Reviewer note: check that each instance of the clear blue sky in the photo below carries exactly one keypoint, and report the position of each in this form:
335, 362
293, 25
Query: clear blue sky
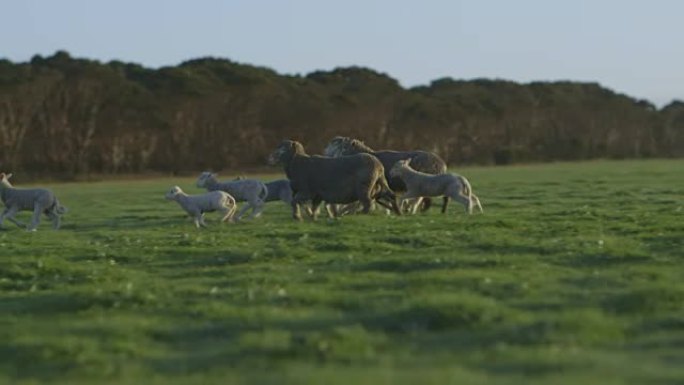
635, 47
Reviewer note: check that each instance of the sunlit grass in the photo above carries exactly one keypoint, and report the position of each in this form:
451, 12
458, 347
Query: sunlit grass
572, 275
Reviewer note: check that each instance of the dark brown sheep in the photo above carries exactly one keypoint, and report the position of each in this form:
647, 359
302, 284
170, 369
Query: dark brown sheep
345, 179
423, 161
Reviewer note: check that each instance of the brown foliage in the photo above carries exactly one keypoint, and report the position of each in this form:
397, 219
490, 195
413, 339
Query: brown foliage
72, 116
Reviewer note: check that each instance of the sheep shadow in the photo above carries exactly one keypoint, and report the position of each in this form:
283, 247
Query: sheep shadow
42, 304
600, 260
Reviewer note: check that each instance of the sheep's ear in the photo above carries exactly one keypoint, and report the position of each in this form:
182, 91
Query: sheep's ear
408, 161
8, 175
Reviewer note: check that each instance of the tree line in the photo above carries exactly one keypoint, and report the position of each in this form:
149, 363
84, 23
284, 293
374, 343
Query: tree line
70, 116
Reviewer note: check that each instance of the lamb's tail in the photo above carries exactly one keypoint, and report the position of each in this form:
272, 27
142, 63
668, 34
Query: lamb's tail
264, 192
465, 185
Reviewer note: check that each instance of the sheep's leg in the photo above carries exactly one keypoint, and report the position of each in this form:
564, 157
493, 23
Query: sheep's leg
465, 201
262, 206
253, 205
366, 202
56, 220
196, 216
258, 208
445, 204
9, 213
349, 208
332, 211
35, 219
228, 212
297, 200
392, 205
393, 202
17, 223
315, 203
384, 204
413, 202
296, 214
341, 209
426, 203
407, 195
415, 205
233, 210
244, 209
407, 205
475, 199
202, 222
309, 212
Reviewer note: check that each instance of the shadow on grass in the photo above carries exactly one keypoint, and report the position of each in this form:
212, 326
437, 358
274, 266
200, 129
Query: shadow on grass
42, 304
670, 245
601, 260
646, 300
413, 265
349, 337
30, 361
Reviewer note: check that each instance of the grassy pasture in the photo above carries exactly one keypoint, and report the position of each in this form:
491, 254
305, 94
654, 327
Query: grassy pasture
574, 275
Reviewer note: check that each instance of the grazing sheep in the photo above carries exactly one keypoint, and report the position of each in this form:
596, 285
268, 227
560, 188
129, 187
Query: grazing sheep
197, 205
423, 161
40, 201
345, 179
420, 184
250, 190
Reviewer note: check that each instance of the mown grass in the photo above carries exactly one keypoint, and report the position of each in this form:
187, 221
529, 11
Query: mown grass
572, 275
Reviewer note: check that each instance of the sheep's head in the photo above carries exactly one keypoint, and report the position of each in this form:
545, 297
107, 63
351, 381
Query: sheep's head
4, 179
335, 147
342, 145
173, 191
285, 151
204, 178
400, 165
357, 146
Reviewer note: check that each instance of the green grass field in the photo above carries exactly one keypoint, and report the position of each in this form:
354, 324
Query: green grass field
573, 275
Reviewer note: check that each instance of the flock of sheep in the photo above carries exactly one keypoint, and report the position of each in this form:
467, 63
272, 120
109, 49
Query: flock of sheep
349, 176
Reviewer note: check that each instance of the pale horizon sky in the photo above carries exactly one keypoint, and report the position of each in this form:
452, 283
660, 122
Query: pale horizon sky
632, 47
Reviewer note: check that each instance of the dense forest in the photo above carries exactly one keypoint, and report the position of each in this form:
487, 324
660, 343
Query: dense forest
66, 116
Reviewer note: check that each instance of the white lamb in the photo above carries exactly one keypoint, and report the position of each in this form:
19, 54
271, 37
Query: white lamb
420, 184
197, 205
252, 191
38, 200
